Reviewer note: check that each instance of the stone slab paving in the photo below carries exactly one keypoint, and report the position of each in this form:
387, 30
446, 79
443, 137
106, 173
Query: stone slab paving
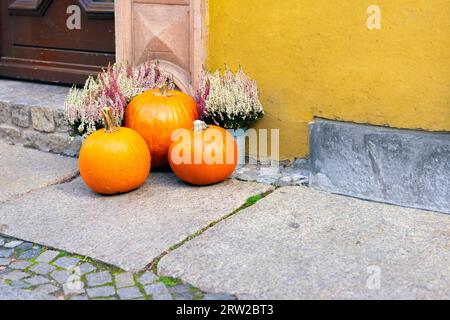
21, 280
23, 170
128, 230
298, 243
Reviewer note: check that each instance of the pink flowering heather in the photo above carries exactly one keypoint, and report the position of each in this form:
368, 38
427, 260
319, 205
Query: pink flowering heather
230, 100
115, 87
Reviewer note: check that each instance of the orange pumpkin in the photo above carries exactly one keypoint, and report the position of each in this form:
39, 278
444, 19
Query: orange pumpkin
114, 160
204, 155
155, 114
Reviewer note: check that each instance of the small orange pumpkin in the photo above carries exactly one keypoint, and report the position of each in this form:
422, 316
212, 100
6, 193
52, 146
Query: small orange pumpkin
155, 114
114, 160
203, 156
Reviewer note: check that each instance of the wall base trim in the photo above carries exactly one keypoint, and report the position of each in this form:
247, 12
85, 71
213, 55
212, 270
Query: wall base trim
402, 167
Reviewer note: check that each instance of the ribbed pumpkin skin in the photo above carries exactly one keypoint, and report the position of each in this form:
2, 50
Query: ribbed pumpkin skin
205, 174
155, 117
117, 162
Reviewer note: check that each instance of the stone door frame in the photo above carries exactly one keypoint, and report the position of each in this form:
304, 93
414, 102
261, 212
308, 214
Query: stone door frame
185, 78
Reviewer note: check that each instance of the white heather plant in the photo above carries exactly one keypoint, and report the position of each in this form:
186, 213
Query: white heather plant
229, 100
115, 87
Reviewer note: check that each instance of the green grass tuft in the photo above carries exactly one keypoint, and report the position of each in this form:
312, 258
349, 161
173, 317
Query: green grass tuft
8, 282
170, 282
252, 200
248, 203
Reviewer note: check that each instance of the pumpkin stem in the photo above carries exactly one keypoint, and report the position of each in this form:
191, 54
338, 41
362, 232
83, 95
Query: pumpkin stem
108, 118
164, 91
200, 125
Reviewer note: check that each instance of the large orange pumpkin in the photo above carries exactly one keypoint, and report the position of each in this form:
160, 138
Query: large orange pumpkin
114, 160
203, 156
155, 114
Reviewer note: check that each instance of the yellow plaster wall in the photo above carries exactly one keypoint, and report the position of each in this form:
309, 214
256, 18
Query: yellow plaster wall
317, 58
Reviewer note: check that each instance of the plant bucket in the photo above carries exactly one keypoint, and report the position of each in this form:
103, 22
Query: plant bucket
240, 135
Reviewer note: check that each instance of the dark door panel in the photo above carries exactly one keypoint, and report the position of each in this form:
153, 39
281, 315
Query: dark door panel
36, 43
29, 7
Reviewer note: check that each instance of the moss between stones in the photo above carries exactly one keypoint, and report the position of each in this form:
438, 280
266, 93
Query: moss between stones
99, 266
140, 286
170, 282
248, 203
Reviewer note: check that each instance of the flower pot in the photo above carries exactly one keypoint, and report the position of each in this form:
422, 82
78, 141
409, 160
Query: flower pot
240, 135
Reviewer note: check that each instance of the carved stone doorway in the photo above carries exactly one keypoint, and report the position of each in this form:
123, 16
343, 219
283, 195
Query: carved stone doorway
171, 31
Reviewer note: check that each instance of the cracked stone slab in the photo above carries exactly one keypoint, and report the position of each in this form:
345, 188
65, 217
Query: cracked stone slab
128, 230
298, 243
23, 170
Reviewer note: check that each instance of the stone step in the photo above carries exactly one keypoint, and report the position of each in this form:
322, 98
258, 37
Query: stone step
32, 115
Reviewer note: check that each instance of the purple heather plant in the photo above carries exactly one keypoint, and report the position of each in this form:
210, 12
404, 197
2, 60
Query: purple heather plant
230, 100
115, 87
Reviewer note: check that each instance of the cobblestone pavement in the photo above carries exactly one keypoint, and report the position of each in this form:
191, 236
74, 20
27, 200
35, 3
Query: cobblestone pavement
58, 274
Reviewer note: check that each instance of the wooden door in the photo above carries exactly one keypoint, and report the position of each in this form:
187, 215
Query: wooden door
56, 40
